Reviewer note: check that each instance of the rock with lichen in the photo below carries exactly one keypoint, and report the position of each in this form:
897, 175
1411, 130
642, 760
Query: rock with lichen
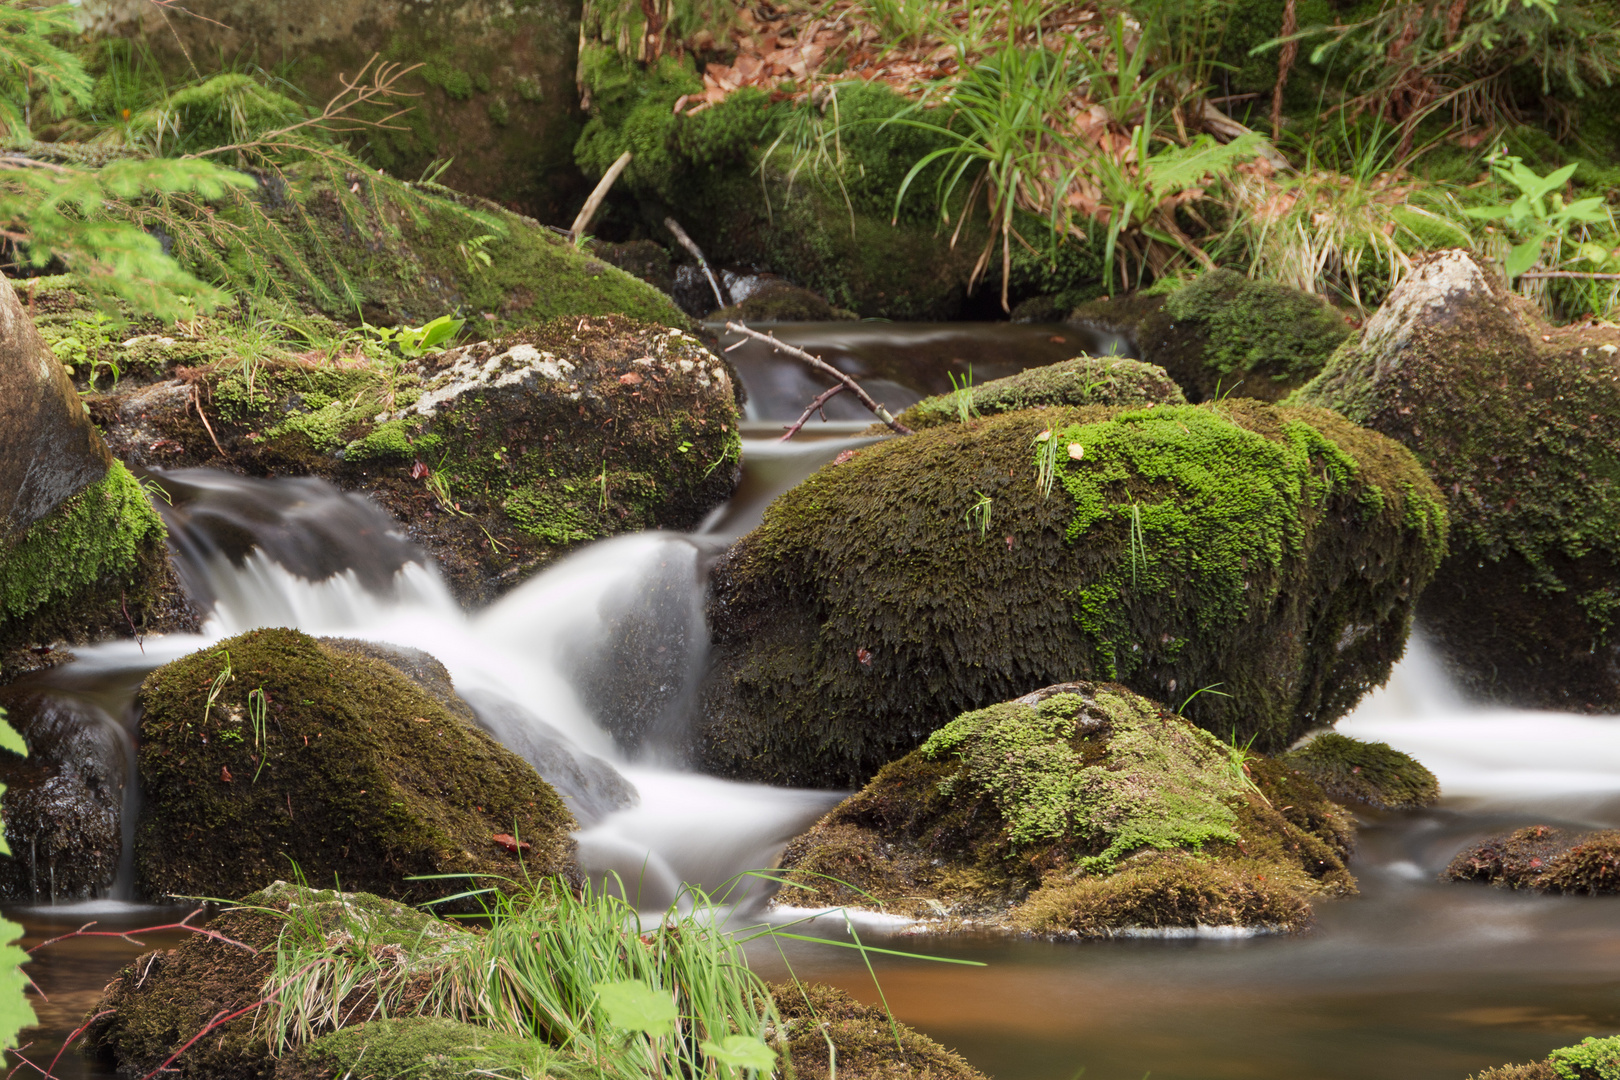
1371, 773
1084, 380
1545, 859
303, 751
1515, 423
1270, 555
497, 457
1224, 334
1080, 809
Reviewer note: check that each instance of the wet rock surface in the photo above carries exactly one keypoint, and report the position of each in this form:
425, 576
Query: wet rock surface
1545, 859
64, 803
1278, 553
1514, 423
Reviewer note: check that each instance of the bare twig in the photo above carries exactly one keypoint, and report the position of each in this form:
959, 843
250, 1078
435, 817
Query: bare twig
826, 369
129, 935
196, 399
594, 203
687, 242
220, 1019
336, 118
813, 408
1569, 274
1285, 64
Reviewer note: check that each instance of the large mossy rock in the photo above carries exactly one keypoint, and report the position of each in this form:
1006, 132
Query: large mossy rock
498, 457
1085, 380
1516, 423
1271, 554
163, 1000
1079, 809
1373, 774
1223, 334
82, 552
271, 750
494, 81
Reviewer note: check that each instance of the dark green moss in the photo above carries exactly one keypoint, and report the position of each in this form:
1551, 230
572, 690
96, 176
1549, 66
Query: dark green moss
829, 1034
1085, 380
1273, 553
782, 302
354, 772
1224, 334
1515, 431
1024, 815
225, 110
1371, 773
95, 566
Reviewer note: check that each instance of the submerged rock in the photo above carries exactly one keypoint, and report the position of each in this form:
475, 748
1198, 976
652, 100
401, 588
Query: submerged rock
1375, 774
270, 747
82, 553
1270, 554
1223, 334
1080, 809
772, 299
1085, 380
1545, 859
1516, 423
497, 457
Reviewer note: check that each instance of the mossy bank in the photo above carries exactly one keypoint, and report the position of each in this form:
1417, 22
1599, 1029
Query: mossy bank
1272, 555
272, 750
1080, 809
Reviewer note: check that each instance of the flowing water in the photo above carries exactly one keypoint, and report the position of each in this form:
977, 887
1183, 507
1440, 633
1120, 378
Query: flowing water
587, 670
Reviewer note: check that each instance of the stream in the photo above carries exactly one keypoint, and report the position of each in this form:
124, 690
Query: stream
1411, 979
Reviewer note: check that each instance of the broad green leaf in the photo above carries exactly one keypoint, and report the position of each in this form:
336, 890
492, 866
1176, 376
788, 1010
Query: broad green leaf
1551, 182
632, 1005
1488, 213
9, 739
739, 1051
441, 329
1522, 257
15, 1011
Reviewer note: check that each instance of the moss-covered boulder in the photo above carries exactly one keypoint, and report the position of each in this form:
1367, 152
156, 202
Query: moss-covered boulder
497, 457
163, 1000
1080, 809
866, 1043
1545, 859
82, 552
1589, 1059
271, 749
776, 300
1270, 554
1372, 773
1085, 380
494, 83
1517, 425
1224, 334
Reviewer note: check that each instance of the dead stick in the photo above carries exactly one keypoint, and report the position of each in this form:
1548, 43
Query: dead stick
826, 369
196, 398
1569, 274
686, 242
594, 203
813, 408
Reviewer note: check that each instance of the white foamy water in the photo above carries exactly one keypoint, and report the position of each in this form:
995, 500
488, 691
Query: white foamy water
1491, 757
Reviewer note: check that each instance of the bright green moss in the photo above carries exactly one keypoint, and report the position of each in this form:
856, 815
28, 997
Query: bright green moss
1258, 329
423, 1048
1164, 785
108, 531
1590, 1059
224, 110
1085, 380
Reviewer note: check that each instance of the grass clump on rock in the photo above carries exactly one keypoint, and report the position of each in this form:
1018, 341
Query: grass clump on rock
1274, 552
1085, 380
271, 747
1079, 809
1373, 773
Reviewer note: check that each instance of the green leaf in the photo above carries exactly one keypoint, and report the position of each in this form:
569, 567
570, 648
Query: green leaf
1522, 257
15, 1011
739, 1051
9, 739
1488, 213
632, 1005
443, 328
